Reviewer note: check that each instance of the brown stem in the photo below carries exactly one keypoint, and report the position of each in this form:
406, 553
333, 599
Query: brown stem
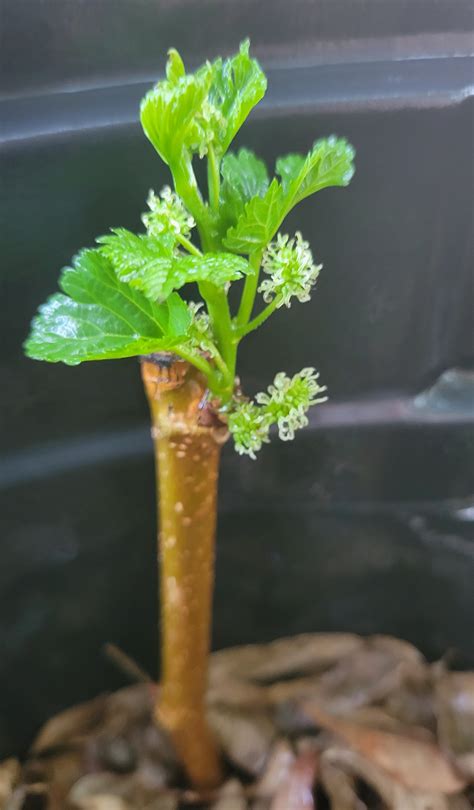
187, 437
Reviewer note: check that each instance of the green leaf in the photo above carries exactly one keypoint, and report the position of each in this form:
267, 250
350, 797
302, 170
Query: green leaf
149, 264
329, 163
136, 257
216, 268
171, 112
102, 318
244, 176
238, 84
185, 113
259, 222
289, 168
174, 66
179, 315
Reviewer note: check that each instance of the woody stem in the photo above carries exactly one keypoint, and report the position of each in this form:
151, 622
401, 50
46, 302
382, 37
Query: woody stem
187, 439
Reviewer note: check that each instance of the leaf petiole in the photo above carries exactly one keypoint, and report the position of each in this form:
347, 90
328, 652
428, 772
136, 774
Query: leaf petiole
217, 357
196, 360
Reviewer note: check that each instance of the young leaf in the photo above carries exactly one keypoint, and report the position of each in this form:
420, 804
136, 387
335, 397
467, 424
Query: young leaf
238, 84
259, 222
131, 253
329, 163
149, 263
215, 268
174, 66
172, 112
244, 176
138, 256
188, 112
102, 318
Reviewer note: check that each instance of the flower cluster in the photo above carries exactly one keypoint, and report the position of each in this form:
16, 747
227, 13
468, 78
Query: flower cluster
289, 263
285, 404
167, 214
208, 123
289, 399
249, 428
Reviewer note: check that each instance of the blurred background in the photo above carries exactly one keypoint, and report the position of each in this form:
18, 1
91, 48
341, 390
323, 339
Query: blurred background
365, 522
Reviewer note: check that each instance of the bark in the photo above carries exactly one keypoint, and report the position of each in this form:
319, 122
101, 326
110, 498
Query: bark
188, 437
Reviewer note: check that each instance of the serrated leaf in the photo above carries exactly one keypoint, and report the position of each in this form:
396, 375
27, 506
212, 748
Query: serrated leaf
289, 167
215, 268
92, 280
238, 84
170, 113
329, 163
244, 176
149, 264
139, 256
259, 221
102, 318
187, 112
125, 248
174, 66
68, 332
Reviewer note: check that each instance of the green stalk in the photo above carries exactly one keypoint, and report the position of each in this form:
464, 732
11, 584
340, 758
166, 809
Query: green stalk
213, 178
188, 437
188, 245
221, 321
217, 357
250, 290
186, 186
258, 320
198, 361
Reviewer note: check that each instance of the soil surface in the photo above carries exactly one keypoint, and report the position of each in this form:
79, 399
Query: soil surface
306, 723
